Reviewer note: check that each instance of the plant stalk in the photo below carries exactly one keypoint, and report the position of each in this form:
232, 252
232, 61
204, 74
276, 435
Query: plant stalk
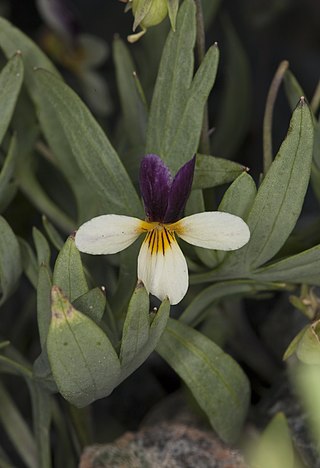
268, 115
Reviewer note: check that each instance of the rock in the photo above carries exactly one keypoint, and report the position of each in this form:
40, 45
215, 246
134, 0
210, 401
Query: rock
169, 445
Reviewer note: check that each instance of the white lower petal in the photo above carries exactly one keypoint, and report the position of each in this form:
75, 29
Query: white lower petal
163, 270
213, 230
107, 234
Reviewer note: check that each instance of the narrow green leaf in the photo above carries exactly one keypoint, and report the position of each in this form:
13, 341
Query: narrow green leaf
92, 303
235, 110
13, 40
73, 134
68, 271
238, 200
42, 247
275, 448
84, 364
4, 344
11, 78
173, 6
43, 301
197, 310
17, 429
185, 140
126, 282
41, 412
133, 110
280, 197
10, 260
300, 268
212, 172
29, 262
8, 187
31, 187
159, 320
173, 81
52, 233
215, 379
135, 332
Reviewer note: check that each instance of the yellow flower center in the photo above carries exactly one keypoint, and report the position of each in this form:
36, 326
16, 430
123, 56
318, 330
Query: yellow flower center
159, 237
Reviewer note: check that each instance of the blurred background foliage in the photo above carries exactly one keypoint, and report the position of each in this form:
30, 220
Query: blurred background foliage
254, 38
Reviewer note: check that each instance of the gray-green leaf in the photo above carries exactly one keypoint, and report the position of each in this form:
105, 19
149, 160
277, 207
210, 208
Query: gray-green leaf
11, 78
215, 379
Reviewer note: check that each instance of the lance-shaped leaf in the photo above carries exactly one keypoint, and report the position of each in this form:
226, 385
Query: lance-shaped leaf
11, 78
92, 303
84, 152
141, 331
300, 268
132, 133
68, 271
133, 109
10, 260
280, 197
215, 379
8, 187
238, 200
173, 6
197, 310
84, 364
212, 172
17, 429
176, 112
13, 40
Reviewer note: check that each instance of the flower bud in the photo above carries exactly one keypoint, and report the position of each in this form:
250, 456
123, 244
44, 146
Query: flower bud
147, 13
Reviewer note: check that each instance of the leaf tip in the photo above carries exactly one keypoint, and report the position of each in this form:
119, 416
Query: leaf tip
302, 101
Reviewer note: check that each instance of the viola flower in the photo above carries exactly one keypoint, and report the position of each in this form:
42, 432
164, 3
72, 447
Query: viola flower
162, 266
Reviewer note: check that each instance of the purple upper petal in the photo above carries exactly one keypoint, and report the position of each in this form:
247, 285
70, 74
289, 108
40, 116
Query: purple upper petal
179, 192
155, 183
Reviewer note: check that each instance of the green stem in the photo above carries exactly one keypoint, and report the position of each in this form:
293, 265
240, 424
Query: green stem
315, 101
204, 146
268, 115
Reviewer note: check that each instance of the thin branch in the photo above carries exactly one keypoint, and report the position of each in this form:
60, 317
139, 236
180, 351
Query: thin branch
268, 115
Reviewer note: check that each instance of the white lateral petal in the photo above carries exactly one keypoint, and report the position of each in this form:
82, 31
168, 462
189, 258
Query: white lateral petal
107, 234
164, 274
214, 230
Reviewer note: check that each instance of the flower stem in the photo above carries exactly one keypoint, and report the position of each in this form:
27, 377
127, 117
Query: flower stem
204, 146
268, 115
315, 101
